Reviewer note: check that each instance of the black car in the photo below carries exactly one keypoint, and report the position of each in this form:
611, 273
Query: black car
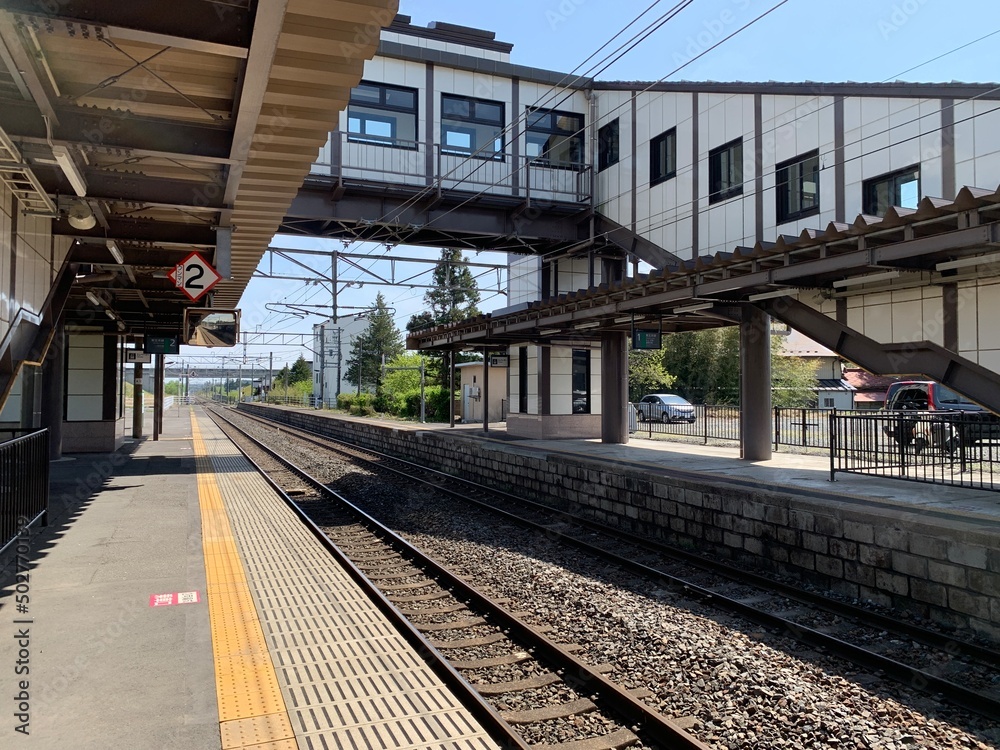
932, 415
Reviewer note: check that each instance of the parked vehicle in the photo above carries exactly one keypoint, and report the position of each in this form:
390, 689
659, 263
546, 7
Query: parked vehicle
941, 418
664, 407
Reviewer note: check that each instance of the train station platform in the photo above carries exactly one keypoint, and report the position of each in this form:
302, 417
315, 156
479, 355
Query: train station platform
174, 601
926, 550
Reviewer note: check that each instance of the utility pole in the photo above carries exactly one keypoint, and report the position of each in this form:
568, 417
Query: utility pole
361, 362
340, 356
322, 363
270, 372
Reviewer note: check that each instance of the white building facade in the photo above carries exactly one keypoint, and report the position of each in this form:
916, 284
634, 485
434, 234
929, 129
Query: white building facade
694, 169
332, 342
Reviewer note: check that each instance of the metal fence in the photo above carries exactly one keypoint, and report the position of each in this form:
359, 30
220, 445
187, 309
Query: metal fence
24, 484
937, 447
710, 422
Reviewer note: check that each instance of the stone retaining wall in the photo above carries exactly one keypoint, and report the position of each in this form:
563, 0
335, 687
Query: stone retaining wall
941, 567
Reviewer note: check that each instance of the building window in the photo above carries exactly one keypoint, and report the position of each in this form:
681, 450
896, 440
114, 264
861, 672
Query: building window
522, 379
555, 139
607, 145
900, 188
471, 127
797, 186
581, 381
663, 157
383, 114
725, 171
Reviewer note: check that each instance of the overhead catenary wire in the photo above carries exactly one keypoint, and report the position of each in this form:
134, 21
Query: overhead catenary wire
554, 90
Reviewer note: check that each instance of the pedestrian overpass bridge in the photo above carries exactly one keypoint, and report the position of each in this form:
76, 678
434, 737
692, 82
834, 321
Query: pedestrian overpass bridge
809, 203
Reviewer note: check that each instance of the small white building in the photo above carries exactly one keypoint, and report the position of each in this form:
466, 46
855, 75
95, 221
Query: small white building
474, 396
832, 390
332, 342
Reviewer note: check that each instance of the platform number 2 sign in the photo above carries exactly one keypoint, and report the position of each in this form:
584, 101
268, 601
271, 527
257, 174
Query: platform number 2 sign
194, 276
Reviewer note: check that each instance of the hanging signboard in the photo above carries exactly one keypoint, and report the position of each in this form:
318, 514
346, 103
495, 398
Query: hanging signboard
194, 276
646, 338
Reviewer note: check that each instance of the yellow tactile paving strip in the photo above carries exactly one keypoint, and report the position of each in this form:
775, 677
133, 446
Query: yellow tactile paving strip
251, 708
348, 678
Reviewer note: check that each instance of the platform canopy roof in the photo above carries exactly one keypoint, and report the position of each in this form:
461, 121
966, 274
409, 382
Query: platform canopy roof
180, 126
943, 241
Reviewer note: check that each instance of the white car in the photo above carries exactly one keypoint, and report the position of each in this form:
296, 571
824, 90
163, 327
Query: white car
664, 407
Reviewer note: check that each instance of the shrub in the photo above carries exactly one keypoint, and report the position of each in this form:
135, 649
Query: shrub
362, 406
345, 401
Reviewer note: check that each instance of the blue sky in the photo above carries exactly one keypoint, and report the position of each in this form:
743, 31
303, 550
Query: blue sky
803, 40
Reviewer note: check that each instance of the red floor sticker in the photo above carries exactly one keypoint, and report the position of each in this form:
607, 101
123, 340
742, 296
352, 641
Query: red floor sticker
166, 600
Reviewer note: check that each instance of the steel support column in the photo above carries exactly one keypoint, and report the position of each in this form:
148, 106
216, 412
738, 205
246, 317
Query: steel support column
614, 387
755, 385
53, 385
486, 390
137, 402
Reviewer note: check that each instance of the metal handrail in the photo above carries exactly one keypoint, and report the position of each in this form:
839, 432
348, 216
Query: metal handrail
358, 157
24, 485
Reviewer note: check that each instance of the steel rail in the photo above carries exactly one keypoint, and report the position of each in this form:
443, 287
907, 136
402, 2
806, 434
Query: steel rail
907, 675
649, 724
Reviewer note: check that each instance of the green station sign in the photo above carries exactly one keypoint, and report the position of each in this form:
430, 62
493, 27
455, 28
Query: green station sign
161, 344
646, 338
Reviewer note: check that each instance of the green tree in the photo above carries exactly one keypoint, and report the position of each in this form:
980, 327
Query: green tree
300, 371
380, 339
454, 297
706, 365
793, 379
646, 373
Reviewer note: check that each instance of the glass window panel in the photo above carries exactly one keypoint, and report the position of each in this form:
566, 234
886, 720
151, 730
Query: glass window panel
401, 99
456, 139
909, 193
366, 93
539, 120
491, 112
581, 381
454, 107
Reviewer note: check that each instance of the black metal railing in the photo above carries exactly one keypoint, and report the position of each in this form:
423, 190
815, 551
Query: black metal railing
961, 449
805, 428
24, 484
708, 422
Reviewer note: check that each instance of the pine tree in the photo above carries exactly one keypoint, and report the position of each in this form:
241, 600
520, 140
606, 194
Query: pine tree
454, 297
300, 371
380, 338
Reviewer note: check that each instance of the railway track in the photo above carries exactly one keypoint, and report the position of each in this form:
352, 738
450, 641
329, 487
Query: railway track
459, 629
963, 673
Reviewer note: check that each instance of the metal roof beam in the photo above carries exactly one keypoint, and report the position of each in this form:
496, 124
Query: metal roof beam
155, 232
121, 130
218, 28
117, 187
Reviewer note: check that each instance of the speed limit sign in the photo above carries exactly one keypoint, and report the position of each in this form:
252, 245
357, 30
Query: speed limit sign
194, 276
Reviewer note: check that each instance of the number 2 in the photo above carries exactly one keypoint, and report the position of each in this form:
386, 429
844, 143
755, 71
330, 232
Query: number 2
189, 281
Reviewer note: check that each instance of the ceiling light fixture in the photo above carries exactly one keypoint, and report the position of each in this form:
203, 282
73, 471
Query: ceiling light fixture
116, 252
855, 280
548, 331
693, 308
81, 216
69, 168
979, 260
110, 313
584, 326
772, 295
94, 299
629, 318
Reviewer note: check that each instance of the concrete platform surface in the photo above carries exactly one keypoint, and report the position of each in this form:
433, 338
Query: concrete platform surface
104, 668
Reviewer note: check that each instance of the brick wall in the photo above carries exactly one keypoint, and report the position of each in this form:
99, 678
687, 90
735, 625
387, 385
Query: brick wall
943, 568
